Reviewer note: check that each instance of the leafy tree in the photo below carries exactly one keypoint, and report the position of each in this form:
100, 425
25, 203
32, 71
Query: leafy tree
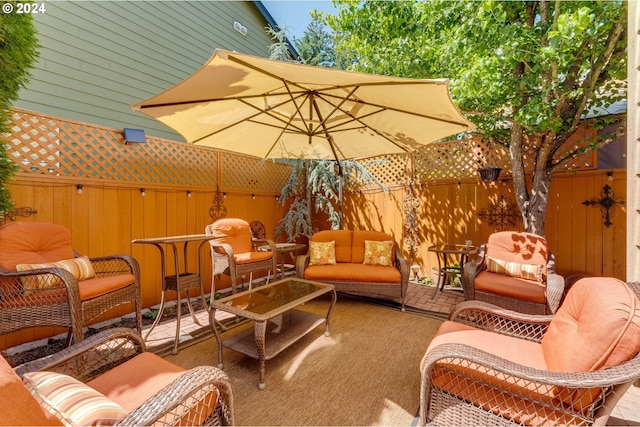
18, 52
526, 72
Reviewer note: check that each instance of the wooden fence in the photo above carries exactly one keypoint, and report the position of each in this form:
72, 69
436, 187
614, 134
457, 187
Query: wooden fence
84, 177
457, 211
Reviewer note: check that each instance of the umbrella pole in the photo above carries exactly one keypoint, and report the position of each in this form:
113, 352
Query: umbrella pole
340, 178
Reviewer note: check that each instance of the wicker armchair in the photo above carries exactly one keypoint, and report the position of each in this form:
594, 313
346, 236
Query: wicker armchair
155, 392
236, 254
515, 271
44, 294
492, 366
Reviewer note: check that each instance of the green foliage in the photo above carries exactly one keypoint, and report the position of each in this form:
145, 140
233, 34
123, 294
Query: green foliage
313, 186
18, 51
518, 69
316, 46
279, 49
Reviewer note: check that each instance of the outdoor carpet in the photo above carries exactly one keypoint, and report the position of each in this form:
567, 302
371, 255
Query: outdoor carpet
365, 373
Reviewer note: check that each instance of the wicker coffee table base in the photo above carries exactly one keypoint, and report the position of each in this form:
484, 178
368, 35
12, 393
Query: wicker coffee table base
272, 332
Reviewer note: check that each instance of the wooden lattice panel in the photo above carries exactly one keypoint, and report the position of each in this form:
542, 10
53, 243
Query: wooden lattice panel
47, 145
251, 173
460, 159
33, 144
390, 170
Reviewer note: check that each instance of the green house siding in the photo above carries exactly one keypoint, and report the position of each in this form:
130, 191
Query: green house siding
99, 57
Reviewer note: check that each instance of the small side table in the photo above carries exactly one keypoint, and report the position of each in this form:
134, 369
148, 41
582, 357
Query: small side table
180, 281
446, 251
282, 249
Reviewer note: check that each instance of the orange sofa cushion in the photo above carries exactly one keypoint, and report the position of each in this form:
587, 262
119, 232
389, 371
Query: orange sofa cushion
237, 234
519, 247
513, 287
33, 243
19, 407
342, 239
350, 272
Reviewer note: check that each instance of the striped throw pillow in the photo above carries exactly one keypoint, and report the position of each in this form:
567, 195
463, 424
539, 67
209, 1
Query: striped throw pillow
73, 402
515, 269
80, 267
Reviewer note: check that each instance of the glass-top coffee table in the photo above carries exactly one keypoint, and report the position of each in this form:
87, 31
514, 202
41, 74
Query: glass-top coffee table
277, 323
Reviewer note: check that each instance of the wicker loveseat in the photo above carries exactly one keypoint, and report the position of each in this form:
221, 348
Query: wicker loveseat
44, 282
492, 366
351, 272
108, 379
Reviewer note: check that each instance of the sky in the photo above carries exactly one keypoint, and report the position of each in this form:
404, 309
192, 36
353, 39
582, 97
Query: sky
295, 13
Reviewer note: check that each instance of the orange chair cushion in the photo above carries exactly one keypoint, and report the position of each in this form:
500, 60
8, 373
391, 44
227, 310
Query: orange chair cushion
248, 257
350, 272
523, 248
513, 287
33, 243
489, 390
342, 239
524, 352
98, 286
597, 326
19, 407
136, 380
133, 382
358, 246
237, 234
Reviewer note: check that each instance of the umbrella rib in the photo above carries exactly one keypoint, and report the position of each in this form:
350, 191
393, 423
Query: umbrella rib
329, 137
358, 119
324, 97
251, 119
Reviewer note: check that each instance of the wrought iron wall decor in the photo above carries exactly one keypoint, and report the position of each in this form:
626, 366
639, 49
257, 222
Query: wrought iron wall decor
12, 214
218, 209
607, 204
502, 214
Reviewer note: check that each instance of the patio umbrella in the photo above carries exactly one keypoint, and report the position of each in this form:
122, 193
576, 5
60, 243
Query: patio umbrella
275, 109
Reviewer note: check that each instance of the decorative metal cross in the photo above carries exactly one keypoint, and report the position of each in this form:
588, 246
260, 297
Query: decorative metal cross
218, 209
607, 204
501, 214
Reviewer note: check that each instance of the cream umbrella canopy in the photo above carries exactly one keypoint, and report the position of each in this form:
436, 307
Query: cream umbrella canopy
274, 109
